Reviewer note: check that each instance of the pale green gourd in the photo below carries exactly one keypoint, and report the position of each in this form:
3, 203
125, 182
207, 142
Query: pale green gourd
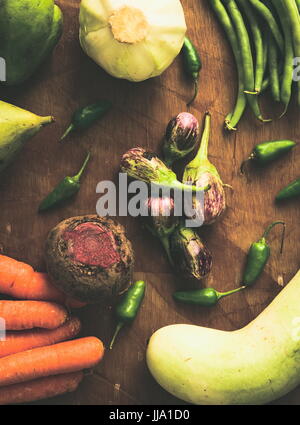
16, 127
29, 30
254, 365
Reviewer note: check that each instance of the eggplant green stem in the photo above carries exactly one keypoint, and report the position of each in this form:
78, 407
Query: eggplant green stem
177, 185
225, 294
169, 162
270, 227
166, 244
165, 241
203, 150
118, 328
77, 177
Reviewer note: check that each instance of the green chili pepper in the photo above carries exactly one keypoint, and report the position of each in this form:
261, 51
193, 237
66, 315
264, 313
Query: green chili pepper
290, 191
266, 152
85, 117
68, 187
258, 256
128, 308
192, 64
206, 297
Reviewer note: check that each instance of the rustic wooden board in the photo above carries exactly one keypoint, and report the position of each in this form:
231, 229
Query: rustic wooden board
141, 111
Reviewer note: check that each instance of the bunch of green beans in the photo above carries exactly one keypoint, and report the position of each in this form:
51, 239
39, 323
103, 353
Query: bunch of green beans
265, 38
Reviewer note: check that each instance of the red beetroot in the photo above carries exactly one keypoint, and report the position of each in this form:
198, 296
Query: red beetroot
89, 258
91, 244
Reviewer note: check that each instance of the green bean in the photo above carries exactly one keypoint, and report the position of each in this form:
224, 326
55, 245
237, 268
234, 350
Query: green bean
246, 55
294, 22
258, 43
287, 75
234, 117
265, 84
265, 47
245, 46
273, 69
270, 20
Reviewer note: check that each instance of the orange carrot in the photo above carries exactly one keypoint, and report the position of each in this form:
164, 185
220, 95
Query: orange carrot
40, 388
20, 315
16, 342
65, 357
19, 280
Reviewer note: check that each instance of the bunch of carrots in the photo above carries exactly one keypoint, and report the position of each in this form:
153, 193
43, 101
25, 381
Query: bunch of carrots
38, 356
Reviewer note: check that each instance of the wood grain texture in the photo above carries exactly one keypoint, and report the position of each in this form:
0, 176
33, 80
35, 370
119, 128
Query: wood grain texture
141, 111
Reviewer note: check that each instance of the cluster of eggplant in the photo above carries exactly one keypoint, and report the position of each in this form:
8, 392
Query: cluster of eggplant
186, 251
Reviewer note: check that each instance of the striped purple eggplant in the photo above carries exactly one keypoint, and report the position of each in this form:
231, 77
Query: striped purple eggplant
145, 166
181, 137
192, 260
200, 171
161, 220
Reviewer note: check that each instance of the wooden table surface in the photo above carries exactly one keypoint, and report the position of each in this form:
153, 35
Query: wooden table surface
69, 79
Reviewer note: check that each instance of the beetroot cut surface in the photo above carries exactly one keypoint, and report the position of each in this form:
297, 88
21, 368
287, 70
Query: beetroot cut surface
90, 258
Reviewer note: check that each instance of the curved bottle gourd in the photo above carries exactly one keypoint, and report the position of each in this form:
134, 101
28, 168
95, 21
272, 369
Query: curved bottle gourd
254, 365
